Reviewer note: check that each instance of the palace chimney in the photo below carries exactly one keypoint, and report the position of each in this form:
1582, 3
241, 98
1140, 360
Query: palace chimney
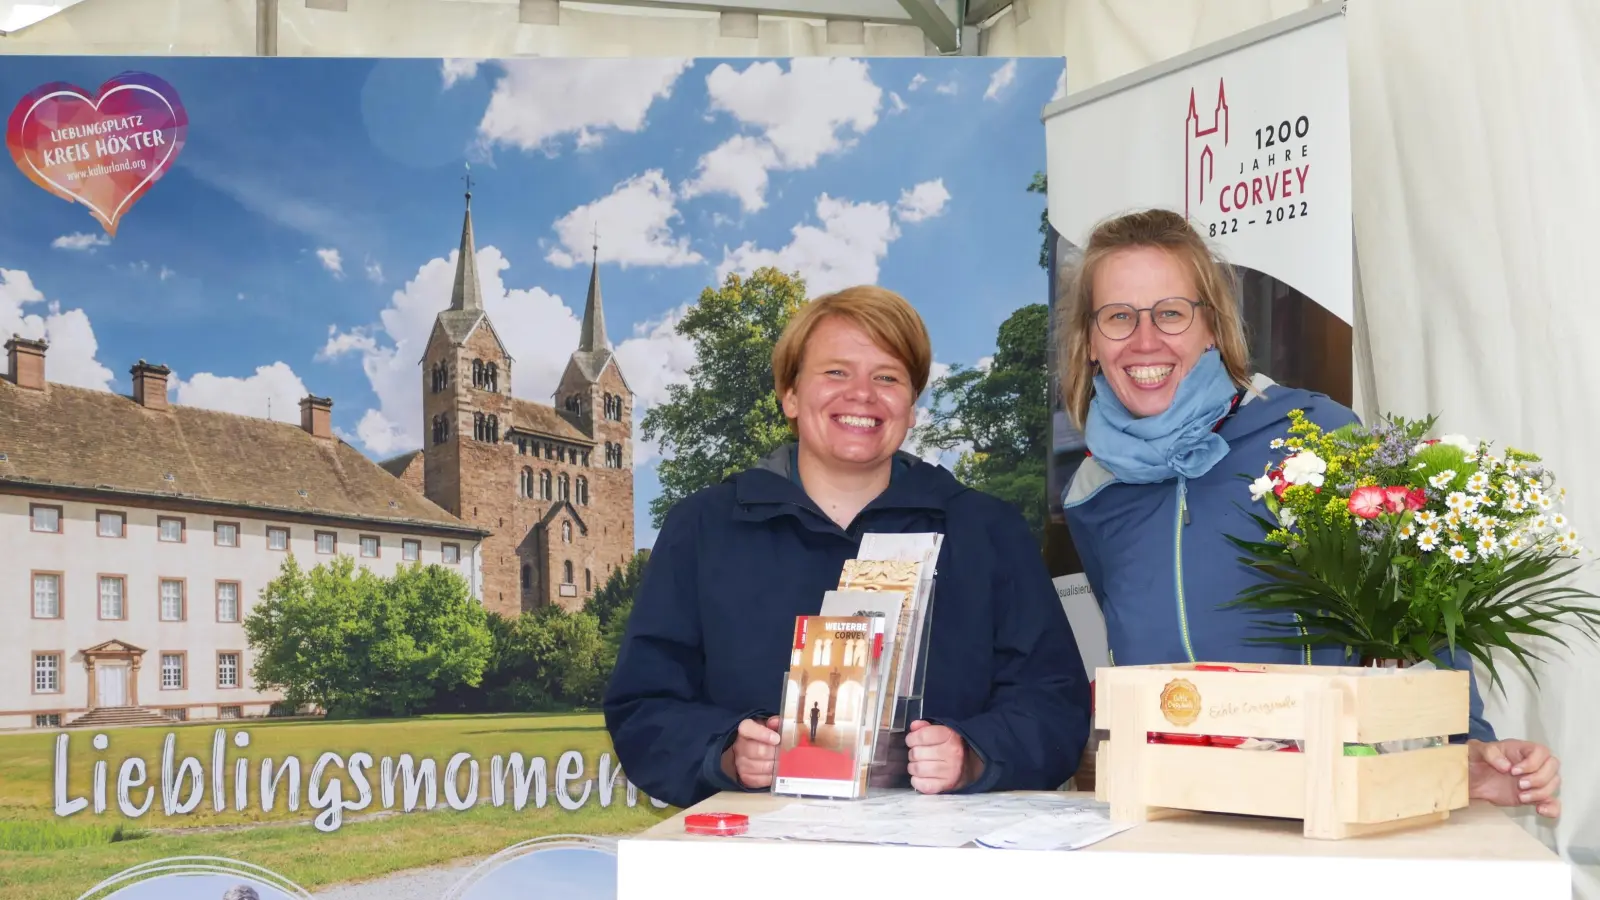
150, 385
316, 416
27, 362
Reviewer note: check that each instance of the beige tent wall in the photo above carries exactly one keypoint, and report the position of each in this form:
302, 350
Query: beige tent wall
1476, 128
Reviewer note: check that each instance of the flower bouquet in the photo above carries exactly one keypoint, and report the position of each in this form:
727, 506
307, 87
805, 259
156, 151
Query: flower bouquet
1402, 549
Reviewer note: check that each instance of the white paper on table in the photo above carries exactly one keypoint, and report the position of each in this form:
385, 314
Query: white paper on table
1069, 830
908, 547
906, 818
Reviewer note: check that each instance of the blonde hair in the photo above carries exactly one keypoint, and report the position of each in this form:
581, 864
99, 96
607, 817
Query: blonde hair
1163, 230
886, 317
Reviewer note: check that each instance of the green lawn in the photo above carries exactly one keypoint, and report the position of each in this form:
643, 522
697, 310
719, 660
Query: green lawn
47, 857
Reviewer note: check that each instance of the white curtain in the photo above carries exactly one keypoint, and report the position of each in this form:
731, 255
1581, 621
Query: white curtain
1476, 130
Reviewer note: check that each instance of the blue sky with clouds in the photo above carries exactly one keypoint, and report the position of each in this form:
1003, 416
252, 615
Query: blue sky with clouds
305, 236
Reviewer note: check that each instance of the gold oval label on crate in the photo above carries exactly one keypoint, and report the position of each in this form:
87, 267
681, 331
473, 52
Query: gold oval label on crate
1180, 702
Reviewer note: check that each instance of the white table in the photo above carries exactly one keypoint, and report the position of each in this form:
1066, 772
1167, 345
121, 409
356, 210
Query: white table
1478, 852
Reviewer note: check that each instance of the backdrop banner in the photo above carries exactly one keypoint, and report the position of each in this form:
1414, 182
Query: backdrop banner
1250, 139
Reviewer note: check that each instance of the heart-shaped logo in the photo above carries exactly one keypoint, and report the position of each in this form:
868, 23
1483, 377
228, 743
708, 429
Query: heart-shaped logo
104, 152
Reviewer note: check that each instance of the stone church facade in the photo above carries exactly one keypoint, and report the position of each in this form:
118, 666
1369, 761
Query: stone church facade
551, 483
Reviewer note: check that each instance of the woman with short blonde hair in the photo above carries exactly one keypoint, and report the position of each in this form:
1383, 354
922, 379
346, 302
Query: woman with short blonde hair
693, 700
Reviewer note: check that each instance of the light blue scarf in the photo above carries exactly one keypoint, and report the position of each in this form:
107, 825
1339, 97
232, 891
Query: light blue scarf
1179, 441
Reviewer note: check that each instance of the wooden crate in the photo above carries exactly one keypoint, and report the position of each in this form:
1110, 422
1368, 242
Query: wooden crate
1337, 796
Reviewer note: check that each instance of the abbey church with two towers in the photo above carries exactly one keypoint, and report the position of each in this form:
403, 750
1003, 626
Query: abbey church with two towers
552, 483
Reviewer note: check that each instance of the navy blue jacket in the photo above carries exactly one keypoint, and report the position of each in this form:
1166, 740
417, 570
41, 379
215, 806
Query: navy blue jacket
708, 642
1162, 572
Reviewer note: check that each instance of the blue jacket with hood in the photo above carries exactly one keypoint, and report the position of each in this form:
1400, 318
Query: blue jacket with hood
1160, 564
708, 642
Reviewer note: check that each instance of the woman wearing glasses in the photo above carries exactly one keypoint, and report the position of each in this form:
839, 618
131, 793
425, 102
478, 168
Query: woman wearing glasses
1155, 373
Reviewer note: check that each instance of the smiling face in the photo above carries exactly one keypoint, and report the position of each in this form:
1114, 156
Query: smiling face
852, 402
1145, 368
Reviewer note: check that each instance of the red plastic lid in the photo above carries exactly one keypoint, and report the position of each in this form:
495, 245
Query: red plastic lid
716, 823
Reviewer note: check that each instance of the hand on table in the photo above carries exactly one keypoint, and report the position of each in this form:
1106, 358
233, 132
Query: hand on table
1514, 773
939, 760
752, 756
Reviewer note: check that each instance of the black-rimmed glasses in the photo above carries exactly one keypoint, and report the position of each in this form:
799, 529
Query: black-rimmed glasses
1174, 315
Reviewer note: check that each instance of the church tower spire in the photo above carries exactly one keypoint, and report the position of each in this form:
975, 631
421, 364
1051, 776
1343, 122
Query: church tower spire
593, 337
466, 295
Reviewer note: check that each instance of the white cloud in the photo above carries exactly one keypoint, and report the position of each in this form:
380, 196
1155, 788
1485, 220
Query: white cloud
896, 105
331, 261
1001, 79
1061, 86
538, 101
71, 357
81, 241
948, 88
166, 273
275, 388
800, 115
454, 70
655, 357
375, 272
924, 201
843, 251
917, 81
538, 328
635, 227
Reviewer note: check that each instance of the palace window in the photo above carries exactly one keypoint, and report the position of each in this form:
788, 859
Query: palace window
46, 596
327, 543
112, 524
451, 553
227, 601
113, 588
227, 670
566, 487
227, 534
410, 550
544, 485
588, 581
46, 673
171, 600
485, 428
46, 518
441, 377
441, 428
527, 576
583, 491
170, 530
566, 572
277, 538
369, 546
525, 485
171, 671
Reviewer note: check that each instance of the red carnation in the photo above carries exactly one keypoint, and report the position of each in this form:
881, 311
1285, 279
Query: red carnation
1416, 499
1394, 498
1367, 502
1278, 484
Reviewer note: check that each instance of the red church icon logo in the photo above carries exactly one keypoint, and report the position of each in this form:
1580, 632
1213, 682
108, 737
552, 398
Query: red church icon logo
1200, 144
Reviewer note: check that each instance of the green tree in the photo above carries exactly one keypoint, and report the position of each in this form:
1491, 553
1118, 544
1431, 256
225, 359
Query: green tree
612, 637
1040, 185
544, 659
358, 644
618, 590
727, 416
1000, 417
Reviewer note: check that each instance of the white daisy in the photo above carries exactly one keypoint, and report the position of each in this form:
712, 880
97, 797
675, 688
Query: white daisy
1459, 554
1539, 523
1427, 540
1544, 501
1478, 483
1426, 518
1443, 478
1452, 519
1458, 502
1277, 443
1407, 531
1486, 544
1557, 521
1514, 541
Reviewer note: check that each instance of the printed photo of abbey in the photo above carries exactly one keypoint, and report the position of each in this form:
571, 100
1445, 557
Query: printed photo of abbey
342, 399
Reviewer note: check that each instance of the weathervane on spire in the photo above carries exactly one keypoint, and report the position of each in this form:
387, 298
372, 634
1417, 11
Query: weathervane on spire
468, 179
596, 234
